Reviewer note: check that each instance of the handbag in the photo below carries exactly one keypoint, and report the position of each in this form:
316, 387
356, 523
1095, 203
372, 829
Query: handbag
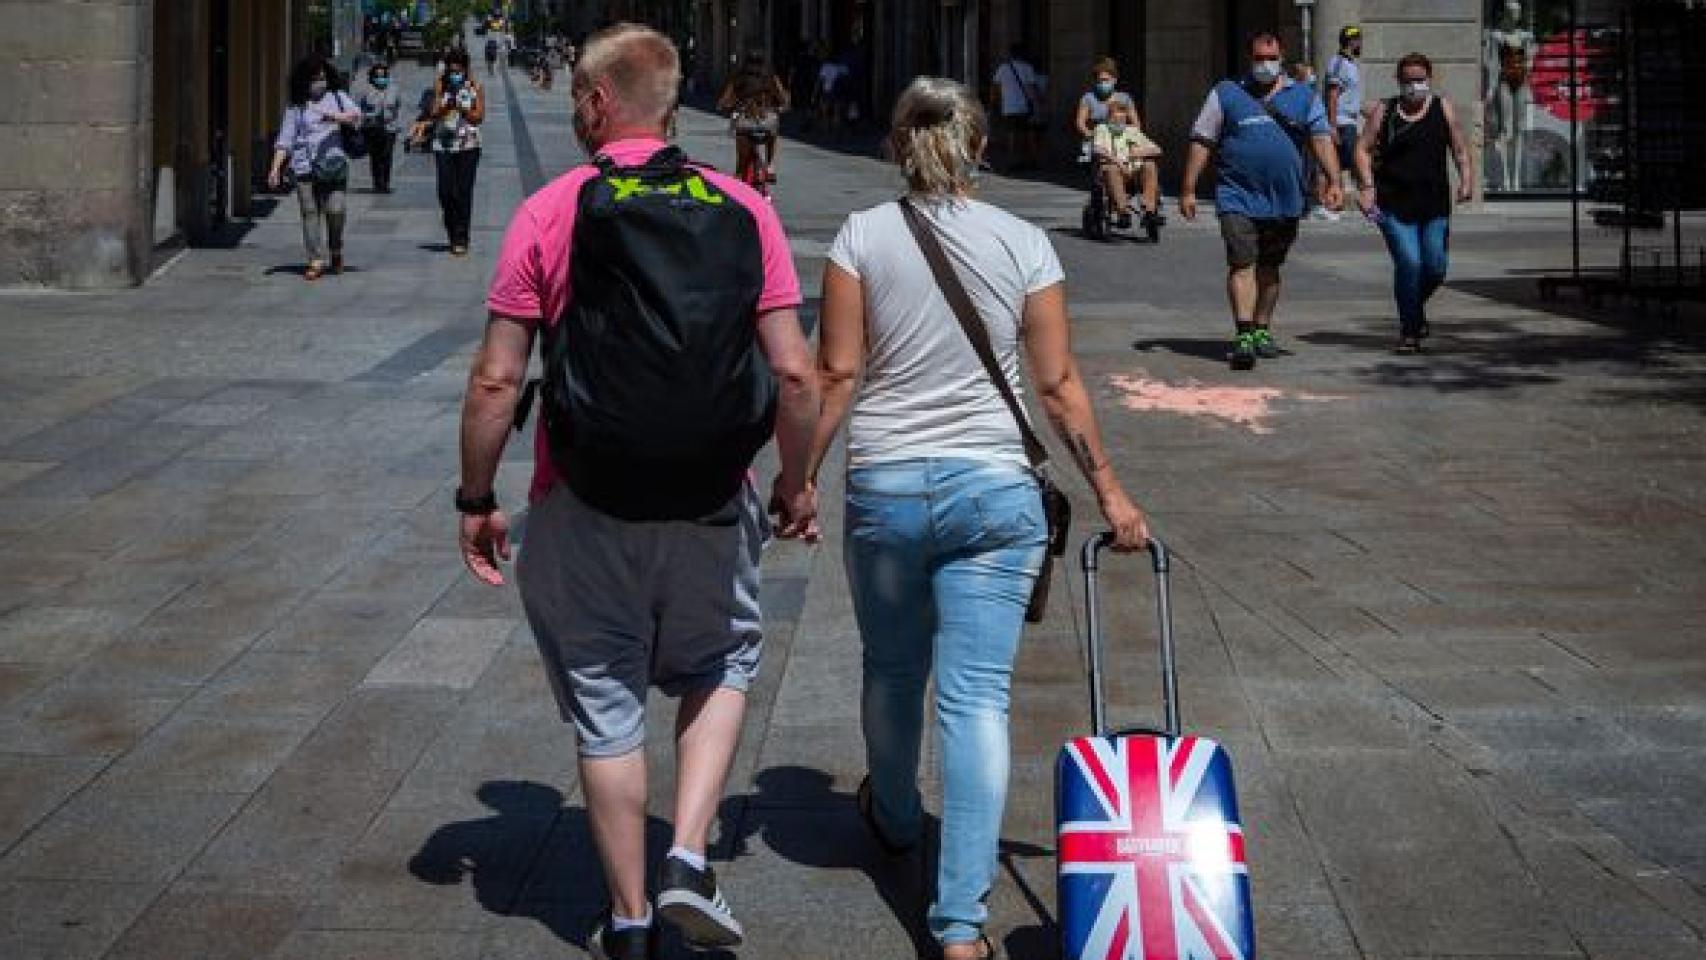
354, 136
1057, 509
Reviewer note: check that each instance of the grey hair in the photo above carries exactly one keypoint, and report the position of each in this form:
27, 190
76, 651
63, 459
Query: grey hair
937, 135
639, 65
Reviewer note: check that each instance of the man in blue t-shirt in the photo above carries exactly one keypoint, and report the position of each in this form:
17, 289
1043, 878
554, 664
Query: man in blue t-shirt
1256, 129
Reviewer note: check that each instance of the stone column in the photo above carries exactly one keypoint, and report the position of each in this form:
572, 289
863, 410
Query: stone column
74, 185
1180, 41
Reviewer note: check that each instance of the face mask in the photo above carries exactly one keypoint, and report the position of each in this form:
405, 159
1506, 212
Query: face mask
1416, 89
1104, 89
1116, 128
1265, 71
454, 77
317, 89
382, 82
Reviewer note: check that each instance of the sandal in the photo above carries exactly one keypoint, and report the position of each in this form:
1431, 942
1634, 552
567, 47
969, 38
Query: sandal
315, 271
1408, 346
868, 813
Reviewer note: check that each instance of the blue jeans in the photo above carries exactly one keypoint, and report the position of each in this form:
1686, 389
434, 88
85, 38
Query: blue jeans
1419, 260
941, 555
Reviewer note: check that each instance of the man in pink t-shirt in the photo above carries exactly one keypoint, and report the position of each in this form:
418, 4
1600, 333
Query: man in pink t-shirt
619, 604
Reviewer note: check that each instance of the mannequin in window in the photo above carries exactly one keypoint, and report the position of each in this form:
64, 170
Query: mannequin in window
1510, 50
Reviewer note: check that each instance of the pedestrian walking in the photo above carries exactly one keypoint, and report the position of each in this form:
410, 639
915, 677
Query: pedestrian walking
453, 125
945, 518
381, 122
1406, 189
1257, 129
311, 139
1344, 100
1016, 93
674, 356
492, 52
833, 86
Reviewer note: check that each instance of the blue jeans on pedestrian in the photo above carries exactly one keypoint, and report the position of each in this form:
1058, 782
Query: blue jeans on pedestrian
941, 556
1419, 259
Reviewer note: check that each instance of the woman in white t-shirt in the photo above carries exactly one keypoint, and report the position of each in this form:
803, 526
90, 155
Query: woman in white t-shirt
944, 523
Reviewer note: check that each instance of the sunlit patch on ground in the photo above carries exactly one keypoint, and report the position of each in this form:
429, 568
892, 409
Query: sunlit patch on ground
1252, 408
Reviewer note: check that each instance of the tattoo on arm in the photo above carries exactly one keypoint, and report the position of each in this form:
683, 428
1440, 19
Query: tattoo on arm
1081, 452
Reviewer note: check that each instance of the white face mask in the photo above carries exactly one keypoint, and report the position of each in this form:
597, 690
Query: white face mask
1416, 89
1266, 71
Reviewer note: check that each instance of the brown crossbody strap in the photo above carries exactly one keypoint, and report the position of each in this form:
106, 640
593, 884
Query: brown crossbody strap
960, 302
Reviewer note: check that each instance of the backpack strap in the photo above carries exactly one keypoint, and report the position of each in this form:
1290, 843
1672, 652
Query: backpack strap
667, 160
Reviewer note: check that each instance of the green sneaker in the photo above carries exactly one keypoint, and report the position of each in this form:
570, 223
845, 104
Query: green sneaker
1243, 355
1266, 348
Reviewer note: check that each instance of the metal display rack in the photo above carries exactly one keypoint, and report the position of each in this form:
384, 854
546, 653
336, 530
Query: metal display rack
1643, 66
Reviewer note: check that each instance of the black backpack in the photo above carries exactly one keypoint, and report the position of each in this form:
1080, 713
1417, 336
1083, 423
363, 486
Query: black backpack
655, 396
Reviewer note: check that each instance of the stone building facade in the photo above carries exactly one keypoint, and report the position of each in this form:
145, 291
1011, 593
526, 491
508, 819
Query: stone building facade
131, 125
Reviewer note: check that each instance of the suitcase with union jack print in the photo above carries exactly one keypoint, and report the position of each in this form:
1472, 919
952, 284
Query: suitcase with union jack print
1150, 847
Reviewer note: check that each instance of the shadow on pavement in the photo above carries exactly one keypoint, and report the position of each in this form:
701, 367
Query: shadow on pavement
1214, 349
1521, 288
798, 815
1494, 354
532, 858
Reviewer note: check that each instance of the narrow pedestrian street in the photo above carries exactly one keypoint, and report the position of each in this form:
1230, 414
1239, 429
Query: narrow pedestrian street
1444, 611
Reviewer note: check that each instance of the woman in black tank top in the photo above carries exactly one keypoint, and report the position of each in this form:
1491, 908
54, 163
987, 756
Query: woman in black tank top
1406, 189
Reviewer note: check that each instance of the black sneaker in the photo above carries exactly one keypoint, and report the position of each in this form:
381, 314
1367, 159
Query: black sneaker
1243, 354
1266, 347
632, 944
691, 900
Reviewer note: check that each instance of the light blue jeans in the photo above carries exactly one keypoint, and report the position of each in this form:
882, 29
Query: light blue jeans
941, 555
1419, 259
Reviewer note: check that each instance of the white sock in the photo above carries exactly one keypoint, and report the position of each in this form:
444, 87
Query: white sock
619, 924
694, 860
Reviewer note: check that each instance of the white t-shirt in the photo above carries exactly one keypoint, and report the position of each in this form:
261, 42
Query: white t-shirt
1016, 79
923, 392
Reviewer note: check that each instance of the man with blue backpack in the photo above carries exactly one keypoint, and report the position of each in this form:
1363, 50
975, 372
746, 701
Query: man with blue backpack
1257, 129
664, 297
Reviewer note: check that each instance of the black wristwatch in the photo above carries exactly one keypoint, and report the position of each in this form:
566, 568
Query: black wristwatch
477, 506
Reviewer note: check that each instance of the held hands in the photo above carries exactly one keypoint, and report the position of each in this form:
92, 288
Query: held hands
1334, 197
485, 541
794, 504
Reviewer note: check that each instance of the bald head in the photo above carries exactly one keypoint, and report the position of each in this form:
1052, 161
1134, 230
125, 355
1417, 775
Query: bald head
635, 73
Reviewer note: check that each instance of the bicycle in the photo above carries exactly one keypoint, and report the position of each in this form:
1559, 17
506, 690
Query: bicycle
757, 173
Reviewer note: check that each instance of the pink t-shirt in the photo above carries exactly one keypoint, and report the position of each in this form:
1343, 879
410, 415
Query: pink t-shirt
531, 282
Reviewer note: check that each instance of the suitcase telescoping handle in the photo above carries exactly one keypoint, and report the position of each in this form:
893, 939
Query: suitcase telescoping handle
1091, 555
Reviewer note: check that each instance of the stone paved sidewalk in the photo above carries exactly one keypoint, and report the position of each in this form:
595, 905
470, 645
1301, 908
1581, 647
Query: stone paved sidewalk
1445, 612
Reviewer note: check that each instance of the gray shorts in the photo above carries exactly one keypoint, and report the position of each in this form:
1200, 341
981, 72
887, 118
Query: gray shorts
1264, 243
618, 606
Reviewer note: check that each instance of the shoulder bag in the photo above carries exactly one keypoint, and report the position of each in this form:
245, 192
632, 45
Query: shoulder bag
1057, 509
